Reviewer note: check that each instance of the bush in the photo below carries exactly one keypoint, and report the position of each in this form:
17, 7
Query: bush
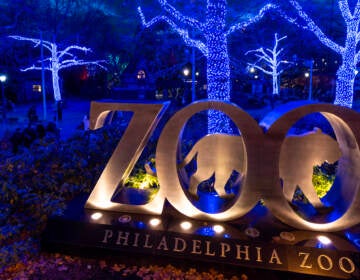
37, 181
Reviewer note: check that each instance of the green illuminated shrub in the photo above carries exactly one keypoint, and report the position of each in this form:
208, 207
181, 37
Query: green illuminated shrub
322, 181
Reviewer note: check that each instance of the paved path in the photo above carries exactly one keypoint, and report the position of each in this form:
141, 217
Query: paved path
73, 113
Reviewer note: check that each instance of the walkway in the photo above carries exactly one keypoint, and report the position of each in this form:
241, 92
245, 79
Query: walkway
74, 111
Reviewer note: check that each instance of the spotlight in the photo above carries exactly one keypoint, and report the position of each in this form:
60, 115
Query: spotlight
218, 228
324, 240
155, 222
186, 225
96, 216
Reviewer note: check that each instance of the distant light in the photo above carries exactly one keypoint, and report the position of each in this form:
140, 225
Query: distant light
356, 71
36, 88
197, 73
307, 75
186, 72
3, 78
256, 76
324, 240
96, 216
252, 70
186, 225
218, 228
155, 222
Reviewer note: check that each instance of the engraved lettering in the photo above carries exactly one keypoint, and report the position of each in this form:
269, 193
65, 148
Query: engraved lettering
325, 265
163, 244
349, 268
304, 260
180, 245
225, 248
120, 237
147, 245
108, 234
245, 251
196, 248
208, 247
274, 257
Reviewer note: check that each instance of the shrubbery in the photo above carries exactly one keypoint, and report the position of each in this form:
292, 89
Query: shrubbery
37, 180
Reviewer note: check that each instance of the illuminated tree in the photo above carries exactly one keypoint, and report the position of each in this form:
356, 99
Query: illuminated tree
213, 45
269, 62
59, 59
349, 51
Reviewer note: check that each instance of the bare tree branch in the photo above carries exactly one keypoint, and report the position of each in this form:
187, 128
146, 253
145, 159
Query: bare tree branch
179, 16
258, 17
183, 33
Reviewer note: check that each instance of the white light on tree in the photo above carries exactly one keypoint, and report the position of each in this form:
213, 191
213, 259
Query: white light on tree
349, 51
58, 60
214, 47
269, 62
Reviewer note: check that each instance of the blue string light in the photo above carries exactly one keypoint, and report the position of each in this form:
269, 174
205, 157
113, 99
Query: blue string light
214, 47
350, 56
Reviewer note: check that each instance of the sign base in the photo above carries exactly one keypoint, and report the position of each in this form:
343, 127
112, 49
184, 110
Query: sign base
257, 241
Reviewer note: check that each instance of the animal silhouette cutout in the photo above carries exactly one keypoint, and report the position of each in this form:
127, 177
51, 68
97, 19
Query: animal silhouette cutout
298, 156
221, 154
218, 154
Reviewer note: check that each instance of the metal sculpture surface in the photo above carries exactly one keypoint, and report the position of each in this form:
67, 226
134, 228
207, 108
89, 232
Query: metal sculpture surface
263, 146
299, 155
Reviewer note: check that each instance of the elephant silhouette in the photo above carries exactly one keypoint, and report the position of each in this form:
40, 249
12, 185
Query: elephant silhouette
299, 154
219, 155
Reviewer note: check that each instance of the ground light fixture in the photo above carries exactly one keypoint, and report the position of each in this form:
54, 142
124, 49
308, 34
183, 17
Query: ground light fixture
155, 222
186, 225
324, 240
218, 228
96, 216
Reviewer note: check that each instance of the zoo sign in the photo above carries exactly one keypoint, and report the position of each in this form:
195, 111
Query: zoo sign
271, 163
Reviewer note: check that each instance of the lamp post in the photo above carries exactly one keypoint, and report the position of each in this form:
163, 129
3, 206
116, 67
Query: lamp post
310, 63
3, 80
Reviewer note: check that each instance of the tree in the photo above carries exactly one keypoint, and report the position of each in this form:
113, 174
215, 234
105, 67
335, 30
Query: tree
272, 60
349, 51
59, 59
213, 45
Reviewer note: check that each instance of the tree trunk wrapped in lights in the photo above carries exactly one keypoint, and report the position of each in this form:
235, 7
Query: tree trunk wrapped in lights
59, 59
214, 47
349, 53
